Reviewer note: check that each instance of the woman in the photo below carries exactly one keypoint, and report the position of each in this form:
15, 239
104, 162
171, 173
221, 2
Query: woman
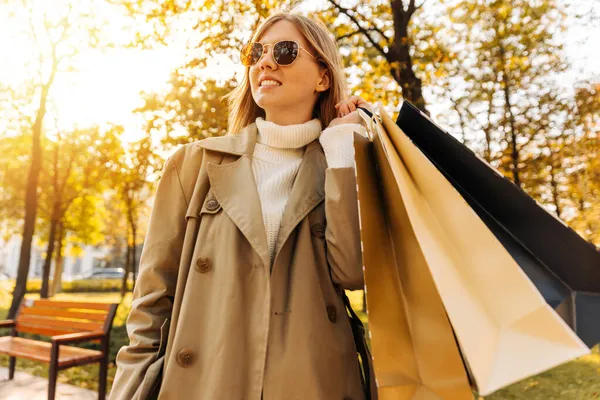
253, 237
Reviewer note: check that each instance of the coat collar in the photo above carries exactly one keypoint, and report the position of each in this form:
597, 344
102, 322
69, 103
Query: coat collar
237, 144
234, 186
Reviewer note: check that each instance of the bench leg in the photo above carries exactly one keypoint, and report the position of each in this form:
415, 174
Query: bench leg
12, 361
52, 381
102, 378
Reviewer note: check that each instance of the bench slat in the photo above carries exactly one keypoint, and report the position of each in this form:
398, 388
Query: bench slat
39, 330
60, 323
71, 304
40, 351
92, 316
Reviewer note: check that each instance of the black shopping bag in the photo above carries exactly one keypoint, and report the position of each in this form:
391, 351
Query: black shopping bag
564, 267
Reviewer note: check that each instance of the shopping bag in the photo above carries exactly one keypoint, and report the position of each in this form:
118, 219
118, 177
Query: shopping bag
502, 338
563, 266
415, 355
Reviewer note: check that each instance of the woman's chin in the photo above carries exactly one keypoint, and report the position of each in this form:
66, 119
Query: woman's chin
267, 101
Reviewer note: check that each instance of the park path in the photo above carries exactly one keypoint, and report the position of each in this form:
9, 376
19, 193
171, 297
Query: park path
29, 387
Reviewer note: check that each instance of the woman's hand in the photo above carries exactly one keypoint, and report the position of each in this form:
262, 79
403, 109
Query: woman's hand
347, 113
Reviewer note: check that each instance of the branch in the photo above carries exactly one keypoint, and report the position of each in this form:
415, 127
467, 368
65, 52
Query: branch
347, 35
411, 8
420, 5
362, 30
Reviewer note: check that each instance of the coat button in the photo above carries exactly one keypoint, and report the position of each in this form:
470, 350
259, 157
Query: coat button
318, 230
212, 204
185, 357
332, 313
203, 264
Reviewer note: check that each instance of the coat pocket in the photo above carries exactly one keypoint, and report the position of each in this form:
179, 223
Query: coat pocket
151, 382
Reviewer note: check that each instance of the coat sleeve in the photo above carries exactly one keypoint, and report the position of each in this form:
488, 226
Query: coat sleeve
342, 232
154, 290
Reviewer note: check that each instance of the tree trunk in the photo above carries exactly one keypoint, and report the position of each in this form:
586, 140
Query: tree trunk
49, 254
31, 200
133, 260
508, 114
555, 194
131, 219
56, 199
399, 54
56, 286
124, 288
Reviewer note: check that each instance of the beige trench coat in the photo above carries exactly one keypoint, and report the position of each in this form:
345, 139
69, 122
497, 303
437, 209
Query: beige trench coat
206, 306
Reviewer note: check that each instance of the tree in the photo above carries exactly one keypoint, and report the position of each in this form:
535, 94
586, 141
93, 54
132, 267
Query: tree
191, 110
75, 177
504, 77
56, 33
381, 38
132, 186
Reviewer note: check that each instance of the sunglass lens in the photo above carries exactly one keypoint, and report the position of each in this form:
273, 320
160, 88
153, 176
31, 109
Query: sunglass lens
285, 52
251, 53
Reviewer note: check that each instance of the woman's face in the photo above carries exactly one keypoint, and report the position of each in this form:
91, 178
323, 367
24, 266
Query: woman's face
291, 101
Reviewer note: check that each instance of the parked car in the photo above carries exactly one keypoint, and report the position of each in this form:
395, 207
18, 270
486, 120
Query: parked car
107, 273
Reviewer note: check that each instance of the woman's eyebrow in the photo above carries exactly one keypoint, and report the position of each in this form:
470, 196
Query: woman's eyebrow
278, 40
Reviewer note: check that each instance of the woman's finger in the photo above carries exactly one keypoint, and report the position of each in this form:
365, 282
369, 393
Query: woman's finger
360, 100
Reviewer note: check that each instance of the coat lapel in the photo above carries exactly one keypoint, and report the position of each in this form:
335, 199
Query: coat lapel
234, 186
307, 192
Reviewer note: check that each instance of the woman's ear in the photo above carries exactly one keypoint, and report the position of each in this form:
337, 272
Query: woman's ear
325, 80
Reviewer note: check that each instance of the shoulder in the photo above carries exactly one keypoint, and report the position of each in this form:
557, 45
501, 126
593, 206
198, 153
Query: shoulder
185, 161
185, 154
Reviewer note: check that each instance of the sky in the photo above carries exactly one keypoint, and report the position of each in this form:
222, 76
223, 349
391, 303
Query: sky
107, 84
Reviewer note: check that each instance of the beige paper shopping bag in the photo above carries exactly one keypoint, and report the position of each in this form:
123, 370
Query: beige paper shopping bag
505, 329
415, 355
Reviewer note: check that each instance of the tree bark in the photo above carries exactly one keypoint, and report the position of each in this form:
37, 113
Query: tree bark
133, 227
510, 118
49, 254
56, 286
555, 195
398, 52
31, 199
124, 287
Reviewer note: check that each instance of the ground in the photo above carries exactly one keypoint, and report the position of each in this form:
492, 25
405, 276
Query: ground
577, 380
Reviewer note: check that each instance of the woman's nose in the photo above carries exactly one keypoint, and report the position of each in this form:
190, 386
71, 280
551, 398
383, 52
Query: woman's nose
267, 60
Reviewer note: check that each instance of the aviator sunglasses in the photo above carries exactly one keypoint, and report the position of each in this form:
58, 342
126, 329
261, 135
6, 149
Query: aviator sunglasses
285, 52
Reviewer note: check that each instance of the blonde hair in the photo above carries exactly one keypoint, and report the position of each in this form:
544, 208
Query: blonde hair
243, 110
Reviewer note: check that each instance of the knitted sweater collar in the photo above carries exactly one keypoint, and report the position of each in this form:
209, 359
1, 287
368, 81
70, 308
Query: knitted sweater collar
287, 136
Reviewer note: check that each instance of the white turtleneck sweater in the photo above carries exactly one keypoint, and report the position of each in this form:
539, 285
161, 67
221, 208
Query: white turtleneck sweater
277, 156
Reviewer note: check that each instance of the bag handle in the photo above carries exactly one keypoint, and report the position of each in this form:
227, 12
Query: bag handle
371, 119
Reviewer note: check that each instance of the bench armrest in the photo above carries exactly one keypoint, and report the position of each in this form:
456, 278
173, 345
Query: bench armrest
77, 337
7, 323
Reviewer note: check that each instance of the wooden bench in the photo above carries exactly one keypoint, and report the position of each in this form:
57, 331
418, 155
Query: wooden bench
64, 322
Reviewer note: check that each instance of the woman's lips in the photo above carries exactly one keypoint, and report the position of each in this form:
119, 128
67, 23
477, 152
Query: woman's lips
269, 87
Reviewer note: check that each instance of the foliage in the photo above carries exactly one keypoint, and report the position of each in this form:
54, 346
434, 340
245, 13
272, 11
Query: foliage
74, 286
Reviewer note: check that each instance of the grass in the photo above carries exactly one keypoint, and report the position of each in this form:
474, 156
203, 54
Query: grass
576, 380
